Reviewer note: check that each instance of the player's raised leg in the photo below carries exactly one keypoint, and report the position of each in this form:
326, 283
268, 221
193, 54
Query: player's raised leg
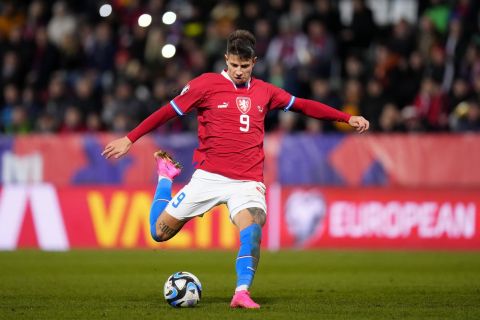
250, 222
162, 225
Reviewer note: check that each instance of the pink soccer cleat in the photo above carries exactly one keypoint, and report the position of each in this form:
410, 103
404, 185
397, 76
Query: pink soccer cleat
241, 299
166, 166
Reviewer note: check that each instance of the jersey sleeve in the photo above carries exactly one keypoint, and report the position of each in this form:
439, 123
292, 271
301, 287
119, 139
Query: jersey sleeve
153, 121
280, 99
319, 110
191, 96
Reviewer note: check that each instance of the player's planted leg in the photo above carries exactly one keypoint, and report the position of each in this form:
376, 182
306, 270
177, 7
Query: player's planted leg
167, 170
248, 256
247, 261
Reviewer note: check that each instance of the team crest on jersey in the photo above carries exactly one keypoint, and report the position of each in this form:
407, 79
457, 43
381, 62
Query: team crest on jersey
185, 89
244, 104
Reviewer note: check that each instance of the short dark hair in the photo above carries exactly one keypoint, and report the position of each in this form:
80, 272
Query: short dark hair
242, 44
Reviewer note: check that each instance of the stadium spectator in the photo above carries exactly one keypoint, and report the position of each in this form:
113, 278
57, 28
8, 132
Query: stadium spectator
11, 98
427, 37
324, 11
358, 36
44, 61
100, 47
459, 93
11, 17
386, 66
390, 119
72, 121
411, 120
438, 12
353, 93
455, 47
466, 117
11, 69
250, 14
288, 48
84, 96
19, 123
430, 104
57, 99
62, 24
136, 42
321, 49
373, 103
402, 41
36, 18
296, 13
354, 68
274, 9
93, 123
123, 110
408, 88
46, 124
322, 91
435, 68
31, 104
263, 33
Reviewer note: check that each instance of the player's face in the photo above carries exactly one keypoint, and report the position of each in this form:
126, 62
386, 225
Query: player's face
239, 70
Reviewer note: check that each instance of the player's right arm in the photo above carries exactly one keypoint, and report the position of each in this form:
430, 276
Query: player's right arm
191, 96
117, 148
120, 147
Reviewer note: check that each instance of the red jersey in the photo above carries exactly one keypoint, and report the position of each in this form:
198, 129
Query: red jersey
230, 122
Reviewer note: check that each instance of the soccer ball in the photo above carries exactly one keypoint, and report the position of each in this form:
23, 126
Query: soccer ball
182, 289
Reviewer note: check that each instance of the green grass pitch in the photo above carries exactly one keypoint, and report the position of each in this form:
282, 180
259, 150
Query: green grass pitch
289, 285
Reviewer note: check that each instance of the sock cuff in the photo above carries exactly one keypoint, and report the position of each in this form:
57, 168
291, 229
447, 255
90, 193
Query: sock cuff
164, 182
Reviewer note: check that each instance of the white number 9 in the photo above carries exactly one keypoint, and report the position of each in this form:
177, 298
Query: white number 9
245, 120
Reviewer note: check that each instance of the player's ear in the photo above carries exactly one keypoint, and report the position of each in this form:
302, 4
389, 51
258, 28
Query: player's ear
254, 60
226, 58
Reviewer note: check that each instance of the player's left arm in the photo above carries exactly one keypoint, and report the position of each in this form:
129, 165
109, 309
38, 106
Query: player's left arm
282, 99
359, 123
322, 111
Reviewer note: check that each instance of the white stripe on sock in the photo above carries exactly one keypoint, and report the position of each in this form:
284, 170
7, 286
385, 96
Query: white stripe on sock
241, 288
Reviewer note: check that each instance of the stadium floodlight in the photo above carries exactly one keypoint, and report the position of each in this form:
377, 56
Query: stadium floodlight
105, 10
168, 51
169, 17
144, 20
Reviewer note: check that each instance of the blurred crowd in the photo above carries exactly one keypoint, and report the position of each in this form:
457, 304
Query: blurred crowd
65, 68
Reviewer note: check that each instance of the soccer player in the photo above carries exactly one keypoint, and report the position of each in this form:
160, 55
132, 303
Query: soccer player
231, 109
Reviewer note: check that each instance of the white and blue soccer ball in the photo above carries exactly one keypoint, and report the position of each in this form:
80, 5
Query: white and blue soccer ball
182, 289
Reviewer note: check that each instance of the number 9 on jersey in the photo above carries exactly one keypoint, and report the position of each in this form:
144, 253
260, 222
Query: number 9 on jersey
245, 120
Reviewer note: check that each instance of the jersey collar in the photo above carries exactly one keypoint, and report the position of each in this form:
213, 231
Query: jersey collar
225, 74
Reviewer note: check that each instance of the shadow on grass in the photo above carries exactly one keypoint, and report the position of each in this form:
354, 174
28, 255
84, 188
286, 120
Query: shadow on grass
217, 299
262, 300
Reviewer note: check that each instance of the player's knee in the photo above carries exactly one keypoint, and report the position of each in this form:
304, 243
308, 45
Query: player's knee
258, 216
262, 218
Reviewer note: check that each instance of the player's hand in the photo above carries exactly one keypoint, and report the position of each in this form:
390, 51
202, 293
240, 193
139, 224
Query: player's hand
359, 123
117, 148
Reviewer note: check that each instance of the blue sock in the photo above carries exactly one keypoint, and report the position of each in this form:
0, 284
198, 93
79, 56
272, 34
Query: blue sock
248, 255
163, 195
